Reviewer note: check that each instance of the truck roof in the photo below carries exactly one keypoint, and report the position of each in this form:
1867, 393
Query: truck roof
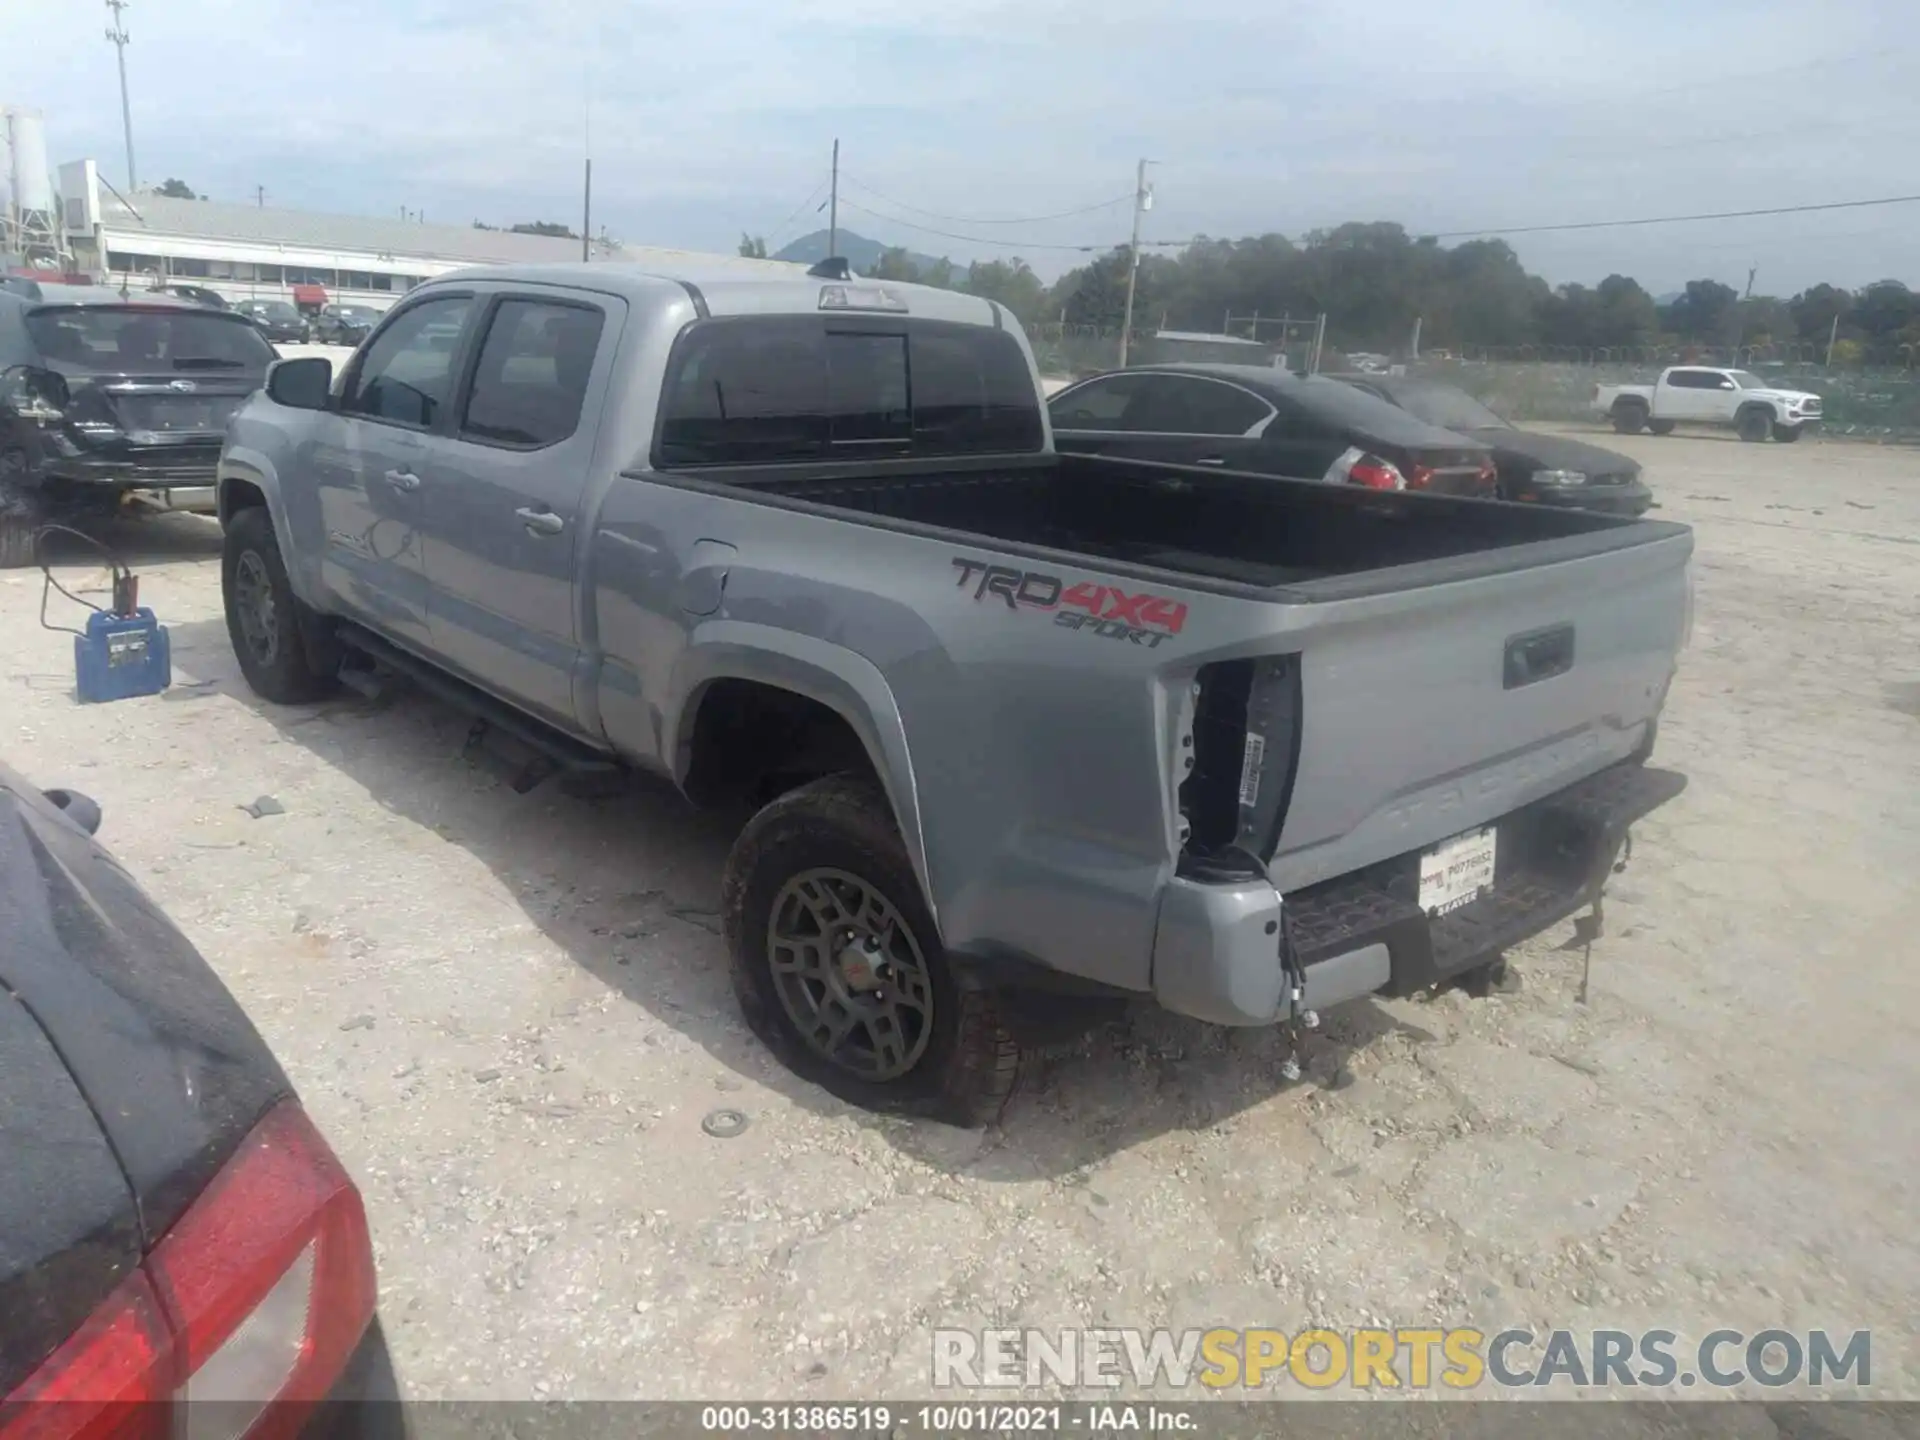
732, 286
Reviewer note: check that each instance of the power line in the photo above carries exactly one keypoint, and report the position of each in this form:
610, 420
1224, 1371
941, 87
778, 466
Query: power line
977, 220
1673, 219
811, 196
972, 239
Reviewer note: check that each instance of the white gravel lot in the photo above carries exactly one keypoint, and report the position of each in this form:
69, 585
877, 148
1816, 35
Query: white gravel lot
509, 1013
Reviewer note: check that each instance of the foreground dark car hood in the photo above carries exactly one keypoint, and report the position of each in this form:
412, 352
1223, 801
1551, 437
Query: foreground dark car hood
130, 1075
1554, 452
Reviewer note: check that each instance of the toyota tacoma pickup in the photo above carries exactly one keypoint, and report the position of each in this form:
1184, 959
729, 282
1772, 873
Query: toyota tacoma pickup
1016, 728
1690, 394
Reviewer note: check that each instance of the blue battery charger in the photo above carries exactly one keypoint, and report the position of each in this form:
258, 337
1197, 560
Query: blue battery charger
121, 656
124, 651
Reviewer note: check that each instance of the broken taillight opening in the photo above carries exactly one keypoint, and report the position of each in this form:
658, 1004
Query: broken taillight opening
242, 1317
1241, 752
1419, 477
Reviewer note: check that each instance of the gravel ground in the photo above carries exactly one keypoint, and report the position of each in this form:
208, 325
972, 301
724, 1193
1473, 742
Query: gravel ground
509, 1012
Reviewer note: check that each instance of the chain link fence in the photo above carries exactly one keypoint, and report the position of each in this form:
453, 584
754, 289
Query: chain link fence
1868, 404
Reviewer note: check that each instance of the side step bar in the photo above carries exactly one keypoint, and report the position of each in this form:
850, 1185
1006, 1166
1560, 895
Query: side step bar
555, 752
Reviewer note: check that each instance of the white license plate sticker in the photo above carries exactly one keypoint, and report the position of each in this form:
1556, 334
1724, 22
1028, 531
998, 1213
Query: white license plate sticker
1457, 872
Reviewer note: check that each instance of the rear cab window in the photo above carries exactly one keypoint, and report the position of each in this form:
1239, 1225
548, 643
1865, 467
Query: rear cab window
769, 390
119, 339
531, 378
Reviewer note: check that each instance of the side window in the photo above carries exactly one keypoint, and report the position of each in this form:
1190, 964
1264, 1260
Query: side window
406, 376
1292, 422
1693, 380
1181, 406
1109, 404
531, 379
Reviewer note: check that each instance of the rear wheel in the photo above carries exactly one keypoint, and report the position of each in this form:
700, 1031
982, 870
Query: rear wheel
839, 969
1629, 417
19, 519
1660, 427
1752, 425
1786, 434
263, 616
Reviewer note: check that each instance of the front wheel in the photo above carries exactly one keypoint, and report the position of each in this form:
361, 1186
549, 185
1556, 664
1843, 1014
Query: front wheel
1660, 427
1629, 419
839, 969
1787, 434
263, 617
1752, 426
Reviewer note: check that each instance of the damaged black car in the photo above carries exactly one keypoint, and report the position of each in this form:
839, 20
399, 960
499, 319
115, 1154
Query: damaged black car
108, 402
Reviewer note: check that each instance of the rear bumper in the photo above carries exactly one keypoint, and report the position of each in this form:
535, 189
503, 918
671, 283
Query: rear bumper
364, 1403
1218, 948
1634, 499
162, 468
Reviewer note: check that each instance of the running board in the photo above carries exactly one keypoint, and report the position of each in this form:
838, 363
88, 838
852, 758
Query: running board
554, 752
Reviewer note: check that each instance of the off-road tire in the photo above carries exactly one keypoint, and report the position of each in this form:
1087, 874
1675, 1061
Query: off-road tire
971, 1060
1660, 427
1787, 434
1629, 418
286, 674
1753, 425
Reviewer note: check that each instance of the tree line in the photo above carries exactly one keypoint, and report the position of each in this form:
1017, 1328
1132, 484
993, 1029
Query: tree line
1374, 280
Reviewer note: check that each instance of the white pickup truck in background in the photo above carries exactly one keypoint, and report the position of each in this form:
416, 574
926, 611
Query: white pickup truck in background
1697, 395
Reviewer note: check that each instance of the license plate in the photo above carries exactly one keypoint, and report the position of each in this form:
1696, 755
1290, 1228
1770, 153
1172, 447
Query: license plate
1457, 872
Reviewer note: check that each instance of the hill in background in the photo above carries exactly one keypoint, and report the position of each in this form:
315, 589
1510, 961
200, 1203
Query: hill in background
860, 252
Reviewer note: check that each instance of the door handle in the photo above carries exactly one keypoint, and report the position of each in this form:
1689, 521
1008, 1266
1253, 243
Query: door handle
403, 479
541, 522
1211, 460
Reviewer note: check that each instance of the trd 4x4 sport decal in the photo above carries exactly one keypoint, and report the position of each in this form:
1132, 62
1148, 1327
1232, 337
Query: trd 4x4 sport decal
1095, 607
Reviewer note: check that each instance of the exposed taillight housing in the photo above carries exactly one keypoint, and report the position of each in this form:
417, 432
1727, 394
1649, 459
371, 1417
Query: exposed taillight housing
1239, 748
1359, 467
1419, 477
242, 1317
1489, 479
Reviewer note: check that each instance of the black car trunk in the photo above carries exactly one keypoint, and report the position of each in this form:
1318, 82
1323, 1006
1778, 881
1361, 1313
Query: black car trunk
176, 408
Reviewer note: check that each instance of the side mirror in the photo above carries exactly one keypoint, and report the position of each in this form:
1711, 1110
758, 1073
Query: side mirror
302, 384
82, 810
34, 392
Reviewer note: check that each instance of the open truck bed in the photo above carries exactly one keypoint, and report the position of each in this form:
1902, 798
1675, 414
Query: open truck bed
1206, 524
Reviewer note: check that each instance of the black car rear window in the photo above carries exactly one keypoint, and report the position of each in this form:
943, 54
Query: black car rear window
761, 390
124, 338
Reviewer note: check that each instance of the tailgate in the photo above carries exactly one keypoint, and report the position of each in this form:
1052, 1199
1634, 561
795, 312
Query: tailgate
1429, 711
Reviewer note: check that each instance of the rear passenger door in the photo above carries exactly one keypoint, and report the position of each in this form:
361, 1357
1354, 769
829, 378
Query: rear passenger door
509, 484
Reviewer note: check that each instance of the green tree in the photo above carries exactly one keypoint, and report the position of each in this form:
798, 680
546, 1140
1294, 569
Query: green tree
753, 247
545, 227
1815, 310
1011, 283
178, 189
1707, 312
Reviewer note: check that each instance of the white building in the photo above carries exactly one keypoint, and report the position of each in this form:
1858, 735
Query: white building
245, 251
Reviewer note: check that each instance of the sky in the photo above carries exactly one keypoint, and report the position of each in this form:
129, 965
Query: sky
709, 118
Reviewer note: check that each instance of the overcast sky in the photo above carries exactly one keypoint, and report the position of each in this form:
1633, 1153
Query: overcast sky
710, 117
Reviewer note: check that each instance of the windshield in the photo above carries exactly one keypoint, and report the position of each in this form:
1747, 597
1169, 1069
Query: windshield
121, 339
1448, 408
357, 312
271, 309
1747, 381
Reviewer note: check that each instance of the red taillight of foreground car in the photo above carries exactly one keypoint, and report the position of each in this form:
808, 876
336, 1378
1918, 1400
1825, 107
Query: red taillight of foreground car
1374, 473
248, 1309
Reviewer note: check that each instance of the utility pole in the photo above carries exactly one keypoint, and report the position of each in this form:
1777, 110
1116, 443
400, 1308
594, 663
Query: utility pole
117, 34
833, 212
1833, 334
586, 216
1751, 272
260, 197
1142, 200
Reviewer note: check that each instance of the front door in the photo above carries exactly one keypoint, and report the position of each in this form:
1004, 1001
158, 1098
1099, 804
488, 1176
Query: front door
510, 482
369, 458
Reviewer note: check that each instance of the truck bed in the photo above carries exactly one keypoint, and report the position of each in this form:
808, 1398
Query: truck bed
1238, 529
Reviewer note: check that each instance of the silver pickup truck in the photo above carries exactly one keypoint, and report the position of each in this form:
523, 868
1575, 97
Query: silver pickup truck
1013, 723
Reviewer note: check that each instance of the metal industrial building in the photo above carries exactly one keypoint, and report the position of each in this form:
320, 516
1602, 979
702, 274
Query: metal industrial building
246, 251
